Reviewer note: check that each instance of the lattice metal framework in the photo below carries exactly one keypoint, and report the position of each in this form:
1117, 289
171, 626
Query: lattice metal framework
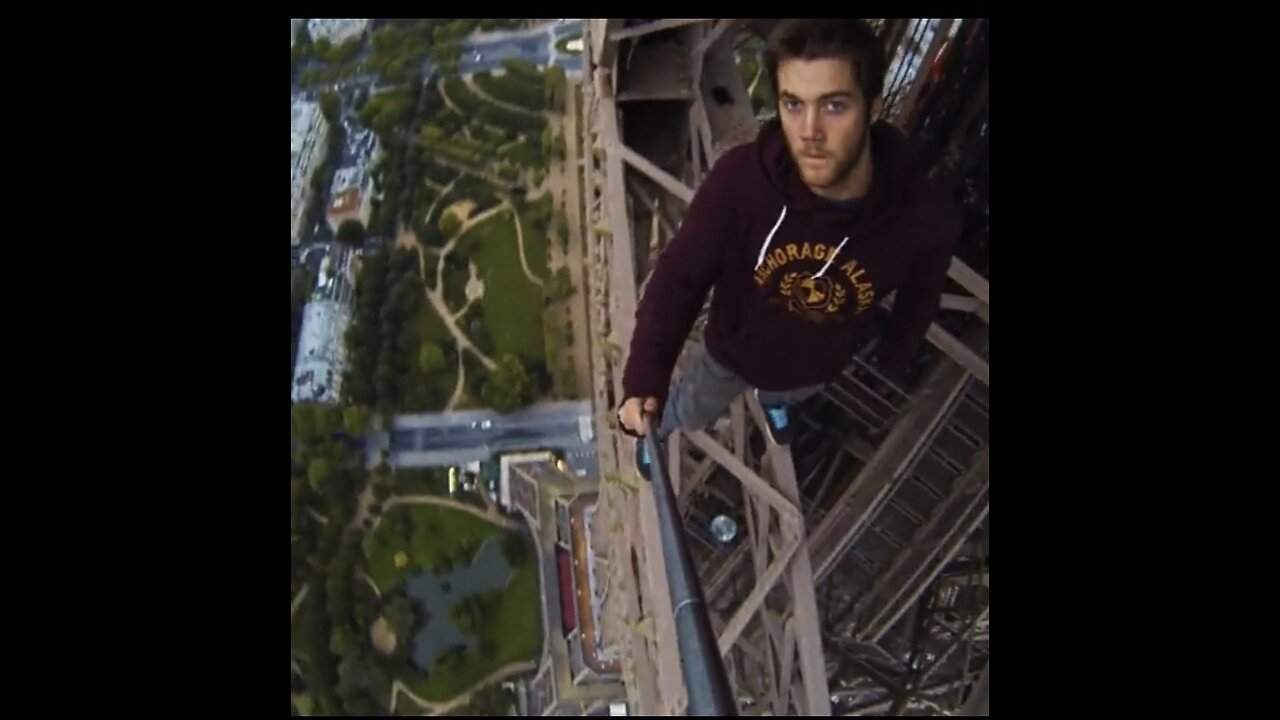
861, 584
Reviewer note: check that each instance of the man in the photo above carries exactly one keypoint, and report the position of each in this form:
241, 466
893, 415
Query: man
802, 233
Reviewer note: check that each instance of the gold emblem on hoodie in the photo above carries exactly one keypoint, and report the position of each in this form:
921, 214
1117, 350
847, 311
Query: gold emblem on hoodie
811, 293
814, 297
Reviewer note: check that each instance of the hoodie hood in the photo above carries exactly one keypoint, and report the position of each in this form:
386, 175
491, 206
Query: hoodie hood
894, 177
893, 173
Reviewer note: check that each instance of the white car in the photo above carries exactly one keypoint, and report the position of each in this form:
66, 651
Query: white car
482, 424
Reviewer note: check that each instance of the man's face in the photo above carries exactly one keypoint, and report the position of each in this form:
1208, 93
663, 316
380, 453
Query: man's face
825, 119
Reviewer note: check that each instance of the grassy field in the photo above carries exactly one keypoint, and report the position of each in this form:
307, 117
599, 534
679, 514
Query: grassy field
512, 305
434, 532
421, 481
535, 243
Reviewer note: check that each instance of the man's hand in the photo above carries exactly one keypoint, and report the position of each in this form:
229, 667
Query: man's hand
630, 416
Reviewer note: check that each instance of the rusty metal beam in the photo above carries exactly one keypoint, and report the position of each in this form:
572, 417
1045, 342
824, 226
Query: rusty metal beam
964, 303
979, 702
849, 514
715, 33
653, 27
924, 544
787, 509
615, 148
966, 358
804, 602
764, 584
974, 514
604, 47
970, 280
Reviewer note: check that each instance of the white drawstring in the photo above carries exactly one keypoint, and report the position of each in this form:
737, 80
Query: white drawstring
832, 256
764, 249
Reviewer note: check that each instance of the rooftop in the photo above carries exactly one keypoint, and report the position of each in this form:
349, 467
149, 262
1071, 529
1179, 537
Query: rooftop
317, 374
336, 29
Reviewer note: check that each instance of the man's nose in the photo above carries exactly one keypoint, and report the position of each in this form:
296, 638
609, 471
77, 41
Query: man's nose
811, 126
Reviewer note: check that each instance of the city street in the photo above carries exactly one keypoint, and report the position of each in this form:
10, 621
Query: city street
457, 438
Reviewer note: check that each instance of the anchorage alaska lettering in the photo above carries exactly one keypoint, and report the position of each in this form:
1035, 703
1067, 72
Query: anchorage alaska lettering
816, 299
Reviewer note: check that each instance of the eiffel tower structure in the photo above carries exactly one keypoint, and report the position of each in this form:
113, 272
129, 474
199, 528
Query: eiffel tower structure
859, 582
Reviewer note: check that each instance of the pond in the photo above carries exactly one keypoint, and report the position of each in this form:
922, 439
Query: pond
437, 594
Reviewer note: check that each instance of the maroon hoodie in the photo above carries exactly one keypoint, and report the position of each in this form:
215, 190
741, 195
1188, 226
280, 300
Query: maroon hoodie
796, 276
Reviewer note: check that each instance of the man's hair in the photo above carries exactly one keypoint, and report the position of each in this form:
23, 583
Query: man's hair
853, 40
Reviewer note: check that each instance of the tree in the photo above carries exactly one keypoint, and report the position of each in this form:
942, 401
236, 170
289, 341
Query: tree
347, 51
548, 141
395, 71
432, 133
340, 641
359, 676
449, 225
351, 233
430, 358
509, 386
303, 422
561, 285
514, 549
319, 473
562, 228
403, 618
330, 104
328, 420
355, 419
361, 705
446, 53
297, 489
490, 701
556, 86
479, 334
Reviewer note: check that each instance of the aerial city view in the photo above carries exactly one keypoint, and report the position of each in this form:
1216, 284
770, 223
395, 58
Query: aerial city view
437, 367
473, 530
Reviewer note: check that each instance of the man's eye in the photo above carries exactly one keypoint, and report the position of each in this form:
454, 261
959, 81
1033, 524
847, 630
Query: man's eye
791, 104
836, 106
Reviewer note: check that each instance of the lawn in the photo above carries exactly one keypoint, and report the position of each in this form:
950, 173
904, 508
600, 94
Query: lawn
535, 243
428, 324
434, 532
421, 481
512, 304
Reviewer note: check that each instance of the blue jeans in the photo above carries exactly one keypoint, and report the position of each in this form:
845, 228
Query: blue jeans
705, 391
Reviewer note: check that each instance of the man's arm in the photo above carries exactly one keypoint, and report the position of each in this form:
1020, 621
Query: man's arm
678, 286
916, 304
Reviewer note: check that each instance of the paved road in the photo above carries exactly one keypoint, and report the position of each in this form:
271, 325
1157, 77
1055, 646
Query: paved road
312, 254
539, 413
455, 438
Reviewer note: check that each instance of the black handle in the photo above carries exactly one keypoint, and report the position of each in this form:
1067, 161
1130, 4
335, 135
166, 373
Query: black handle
700, 661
